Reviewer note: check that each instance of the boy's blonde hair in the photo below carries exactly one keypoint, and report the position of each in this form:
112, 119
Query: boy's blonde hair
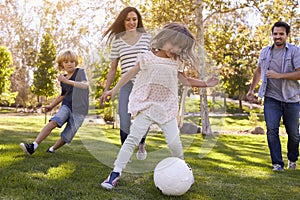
66, 55
179, 35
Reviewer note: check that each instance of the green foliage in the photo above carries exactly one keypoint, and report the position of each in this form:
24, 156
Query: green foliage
6, 97
45, 73
5, 70
253, 118
234, 50
273, 11
158, 13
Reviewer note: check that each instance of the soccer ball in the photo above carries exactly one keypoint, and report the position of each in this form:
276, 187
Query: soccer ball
173, 176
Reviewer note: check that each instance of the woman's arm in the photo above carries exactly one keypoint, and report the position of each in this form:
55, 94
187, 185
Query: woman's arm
125, 78
111, 74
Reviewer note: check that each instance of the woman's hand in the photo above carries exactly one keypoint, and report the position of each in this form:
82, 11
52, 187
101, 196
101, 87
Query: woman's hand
106, 96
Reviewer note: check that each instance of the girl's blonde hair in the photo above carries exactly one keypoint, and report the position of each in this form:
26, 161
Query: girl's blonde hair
178, 35
66, 55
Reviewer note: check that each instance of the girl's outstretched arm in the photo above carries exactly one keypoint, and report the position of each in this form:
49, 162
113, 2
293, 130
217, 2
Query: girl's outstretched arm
197, 83
127, 76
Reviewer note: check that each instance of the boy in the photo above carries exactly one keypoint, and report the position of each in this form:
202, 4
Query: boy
74, 97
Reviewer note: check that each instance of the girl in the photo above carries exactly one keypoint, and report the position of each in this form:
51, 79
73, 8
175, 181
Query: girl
130, 39
154, 97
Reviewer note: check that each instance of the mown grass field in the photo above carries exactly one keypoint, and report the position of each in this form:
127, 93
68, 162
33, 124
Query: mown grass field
228, 166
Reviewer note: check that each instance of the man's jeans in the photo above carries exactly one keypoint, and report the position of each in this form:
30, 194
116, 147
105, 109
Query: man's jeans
273, 111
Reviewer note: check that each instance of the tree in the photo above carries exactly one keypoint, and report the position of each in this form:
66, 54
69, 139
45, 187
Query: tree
17, 34
72, 24
206, 128
45, 73
5, 71
234, 49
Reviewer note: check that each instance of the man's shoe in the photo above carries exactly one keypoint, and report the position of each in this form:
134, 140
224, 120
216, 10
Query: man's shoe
292, 165
142, 153
27, 148
277, 167
111, 180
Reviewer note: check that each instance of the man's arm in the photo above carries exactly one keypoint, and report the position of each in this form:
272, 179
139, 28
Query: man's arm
287, 76
255, 81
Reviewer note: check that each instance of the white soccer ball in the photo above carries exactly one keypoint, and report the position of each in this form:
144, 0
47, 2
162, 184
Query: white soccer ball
173, 176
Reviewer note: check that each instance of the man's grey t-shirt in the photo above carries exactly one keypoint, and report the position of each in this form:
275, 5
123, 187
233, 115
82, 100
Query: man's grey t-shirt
274, 85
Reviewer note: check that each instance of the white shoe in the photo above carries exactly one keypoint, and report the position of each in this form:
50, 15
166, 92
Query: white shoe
142, 153
292, 165
277, 167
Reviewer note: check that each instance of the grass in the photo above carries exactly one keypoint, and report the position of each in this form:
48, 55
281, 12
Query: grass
192, 105
229, 166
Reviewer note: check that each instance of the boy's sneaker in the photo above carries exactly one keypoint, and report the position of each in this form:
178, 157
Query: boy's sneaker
292, 165
27, 148
111, 180
49, 151
277, 167
142, 153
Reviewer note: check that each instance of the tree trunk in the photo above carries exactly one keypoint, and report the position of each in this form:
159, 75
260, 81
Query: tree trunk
206, 129
241, 102
225, 102
180, 117
45, 114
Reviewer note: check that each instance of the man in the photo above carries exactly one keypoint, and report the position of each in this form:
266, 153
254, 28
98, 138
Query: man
279, 69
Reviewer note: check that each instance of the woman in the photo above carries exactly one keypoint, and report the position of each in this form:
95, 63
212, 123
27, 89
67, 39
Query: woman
128, 38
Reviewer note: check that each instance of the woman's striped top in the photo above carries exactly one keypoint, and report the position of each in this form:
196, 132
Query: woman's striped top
128, 53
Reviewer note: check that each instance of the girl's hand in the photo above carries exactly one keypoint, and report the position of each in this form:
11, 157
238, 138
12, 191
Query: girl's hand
105, 96
212, 81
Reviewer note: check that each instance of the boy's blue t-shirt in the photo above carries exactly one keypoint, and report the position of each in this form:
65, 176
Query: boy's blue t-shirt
75, 98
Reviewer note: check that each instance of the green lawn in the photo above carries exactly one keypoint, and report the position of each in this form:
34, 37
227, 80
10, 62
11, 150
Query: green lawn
229, 166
